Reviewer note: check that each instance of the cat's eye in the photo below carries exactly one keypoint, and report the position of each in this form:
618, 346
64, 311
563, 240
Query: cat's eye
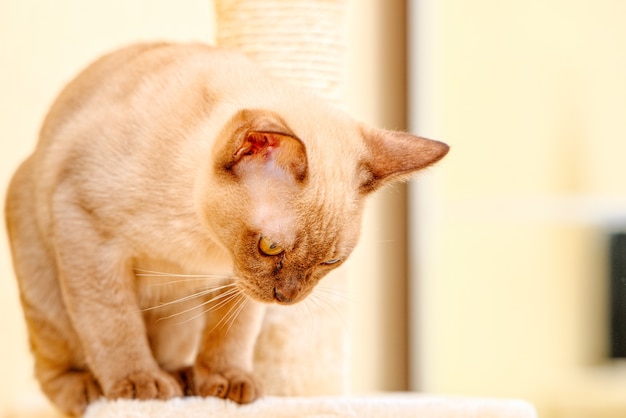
268, 247
332, 261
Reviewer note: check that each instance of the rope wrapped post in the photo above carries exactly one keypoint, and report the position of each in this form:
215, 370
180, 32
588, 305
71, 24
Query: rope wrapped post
300, 41
301, 351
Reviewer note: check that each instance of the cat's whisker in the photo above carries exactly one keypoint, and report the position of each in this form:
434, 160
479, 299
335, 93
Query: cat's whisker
242, 303
195, 295
187, 280
203, 312
242, 306
229, 293
235, 299
327, 306
152, 273
203, 292
229, 299
224, 297
306, 305
334, 293
226, 317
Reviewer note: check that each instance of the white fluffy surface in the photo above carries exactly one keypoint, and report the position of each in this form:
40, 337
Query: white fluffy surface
383, 406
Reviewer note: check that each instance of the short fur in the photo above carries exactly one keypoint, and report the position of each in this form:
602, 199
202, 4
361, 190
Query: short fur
158, 170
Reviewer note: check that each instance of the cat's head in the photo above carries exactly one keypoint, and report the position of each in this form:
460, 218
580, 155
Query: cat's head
287, 197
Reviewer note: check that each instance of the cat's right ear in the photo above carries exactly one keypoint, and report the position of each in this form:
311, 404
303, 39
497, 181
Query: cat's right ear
260, 143
274, 153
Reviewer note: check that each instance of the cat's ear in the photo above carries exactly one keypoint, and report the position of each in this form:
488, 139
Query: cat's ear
259, 143
394, 155
272, 151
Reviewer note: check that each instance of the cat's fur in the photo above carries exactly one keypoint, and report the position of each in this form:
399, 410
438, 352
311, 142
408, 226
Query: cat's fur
178, 159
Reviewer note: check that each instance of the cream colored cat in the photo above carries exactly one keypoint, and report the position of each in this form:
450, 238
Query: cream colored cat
175, 190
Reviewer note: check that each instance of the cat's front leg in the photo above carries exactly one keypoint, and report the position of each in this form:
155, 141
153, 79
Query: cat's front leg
97, 282
224, 365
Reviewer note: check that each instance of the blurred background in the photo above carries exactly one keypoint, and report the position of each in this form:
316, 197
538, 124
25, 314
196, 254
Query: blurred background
488, 275
514, 296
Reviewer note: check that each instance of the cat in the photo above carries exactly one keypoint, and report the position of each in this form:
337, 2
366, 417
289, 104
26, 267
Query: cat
175, 191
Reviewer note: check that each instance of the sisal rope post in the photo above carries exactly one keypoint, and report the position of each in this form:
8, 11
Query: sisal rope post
300, 41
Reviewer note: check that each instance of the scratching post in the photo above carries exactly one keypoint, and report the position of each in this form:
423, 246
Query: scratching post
300, 41
302, 350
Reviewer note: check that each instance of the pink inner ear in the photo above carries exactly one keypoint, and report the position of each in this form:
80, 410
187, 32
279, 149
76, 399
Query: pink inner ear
257, 143
285, 152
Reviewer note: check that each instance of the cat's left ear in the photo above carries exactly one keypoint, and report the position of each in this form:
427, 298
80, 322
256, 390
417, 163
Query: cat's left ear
394, 155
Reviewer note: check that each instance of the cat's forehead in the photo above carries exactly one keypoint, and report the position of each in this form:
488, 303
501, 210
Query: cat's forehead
309, 218
276, 222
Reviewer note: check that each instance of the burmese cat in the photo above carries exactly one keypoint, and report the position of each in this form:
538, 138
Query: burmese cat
185, 160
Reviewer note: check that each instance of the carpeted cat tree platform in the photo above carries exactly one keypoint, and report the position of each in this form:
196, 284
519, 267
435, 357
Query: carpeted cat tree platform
388, 406
303, 369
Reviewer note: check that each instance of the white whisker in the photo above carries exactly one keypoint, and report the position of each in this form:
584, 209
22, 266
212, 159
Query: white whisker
335, 293
327, 306
235, 299
198, 294
306, 305
225, 294
187, 280
226, 298
242, 305
152, 273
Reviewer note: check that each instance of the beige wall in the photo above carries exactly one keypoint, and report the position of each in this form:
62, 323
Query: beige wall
43, 44
533, 103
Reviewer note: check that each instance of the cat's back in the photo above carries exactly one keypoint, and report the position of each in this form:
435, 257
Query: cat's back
148, 99
137, 81
133, 107
127, 122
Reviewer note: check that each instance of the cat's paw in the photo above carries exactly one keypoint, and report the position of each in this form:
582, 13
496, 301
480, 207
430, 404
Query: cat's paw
145, 385
234, 384
71, 392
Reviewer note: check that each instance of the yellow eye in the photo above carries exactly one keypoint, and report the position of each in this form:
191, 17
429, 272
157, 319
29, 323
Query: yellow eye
268, 247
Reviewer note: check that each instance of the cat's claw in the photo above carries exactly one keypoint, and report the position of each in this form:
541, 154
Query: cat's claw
233, 384
145, 385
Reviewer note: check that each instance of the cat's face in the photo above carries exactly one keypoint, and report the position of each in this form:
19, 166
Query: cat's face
290, 202
283, 261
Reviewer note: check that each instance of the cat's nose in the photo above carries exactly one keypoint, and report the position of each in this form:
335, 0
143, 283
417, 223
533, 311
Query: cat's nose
285, 295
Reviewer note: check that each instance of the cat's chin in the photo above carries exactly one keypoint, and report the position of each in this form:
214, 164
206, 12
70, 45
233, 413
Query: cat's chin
286, 303
275, 298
